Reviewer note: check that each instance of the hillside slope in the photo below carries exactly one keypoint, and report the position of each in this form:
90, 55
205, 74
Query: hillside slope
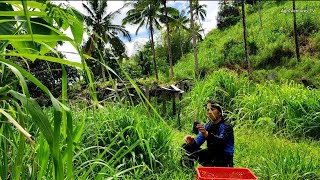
272, 48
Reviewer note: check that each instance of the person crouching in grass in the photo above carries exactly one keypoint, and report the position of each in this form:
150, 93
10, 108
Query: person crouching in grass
220, 141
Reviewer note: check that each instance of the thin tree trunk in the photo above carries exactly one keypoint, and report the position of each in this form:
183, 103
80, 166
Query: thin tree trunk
168, 40
153, 51
260, 16
194, 43
245, 38
103, 71
174, 107
164, 105
179, 110
90, 47
295, 30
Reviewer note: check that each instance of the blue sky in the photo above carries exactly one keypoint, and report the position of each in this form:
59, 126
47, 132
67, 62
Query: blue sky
143, 35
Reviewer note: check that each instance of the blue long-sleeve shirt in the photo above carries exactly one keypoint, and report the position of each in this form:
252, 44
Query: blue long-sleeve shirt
220, 136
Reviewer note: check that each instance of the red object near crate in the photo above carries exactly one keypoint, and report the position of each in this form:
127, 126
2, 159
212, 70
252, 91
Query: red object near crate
224, 173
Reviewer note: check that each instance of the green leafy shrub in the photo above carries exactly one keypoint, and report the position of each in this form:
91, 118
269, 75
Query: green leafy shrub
228, 15
233, 52
306, 25
279, 56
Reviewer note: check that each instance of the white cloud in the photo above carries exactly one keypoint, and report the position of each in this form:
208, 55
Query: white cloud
116, 5
135, 45
211, 19
68, 50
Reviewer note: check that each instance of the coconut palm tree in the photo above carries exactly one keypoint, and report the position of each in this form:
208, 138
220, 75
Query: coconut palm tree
145, 12
245, 37
180, 23
164, 3
200, 12
194, 43
103, 32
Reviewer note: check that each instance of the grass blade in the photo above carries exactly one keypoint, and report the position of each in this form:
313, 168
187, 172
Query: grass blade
4, 164
35, 37
55, 149
22, 13
43, 155
37, 115
17, 125
26, 14
21, 148
67, 117
47, 58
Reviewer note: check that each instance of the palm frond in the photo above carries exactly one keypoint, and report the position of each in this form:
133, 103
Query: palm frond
157, 24
88, 10
140, 25
116, 29
102, 8
94, 4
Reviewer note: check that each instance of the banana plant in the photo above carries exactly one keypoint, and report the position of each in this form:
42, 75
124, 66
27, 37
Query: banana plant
32, 29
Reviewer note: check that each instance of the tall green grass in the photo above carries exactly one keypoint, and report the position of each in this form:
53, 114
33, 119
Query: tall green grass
293, 108
288, 108
273, 157
120, 137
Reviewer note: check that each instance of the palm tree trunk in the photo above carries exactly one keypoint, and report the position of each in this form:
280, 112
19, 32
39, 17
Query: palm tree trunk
245, 38
295, 30
101, 49
153, 50
103, 71
181, 43
194, 43
90, 46
168, 40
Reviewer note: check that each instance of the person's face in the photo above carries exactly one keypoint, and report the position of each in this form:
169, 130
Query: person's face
212, 113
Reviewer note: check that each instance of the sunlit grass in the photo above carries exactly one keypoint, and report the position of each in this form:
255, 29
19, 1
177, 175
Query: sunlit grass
274, 157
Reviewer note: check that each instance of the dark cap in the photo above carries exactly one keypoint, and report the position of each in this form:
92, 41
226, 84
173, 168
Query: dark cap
216, 104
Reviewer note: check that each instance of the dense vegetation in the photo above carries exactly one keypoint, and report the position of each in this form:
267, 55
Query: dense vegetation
276, 118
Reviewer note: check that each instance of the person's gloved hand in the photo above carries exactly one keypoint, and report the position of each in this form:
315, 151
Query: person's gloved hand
202, 130
189, 139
